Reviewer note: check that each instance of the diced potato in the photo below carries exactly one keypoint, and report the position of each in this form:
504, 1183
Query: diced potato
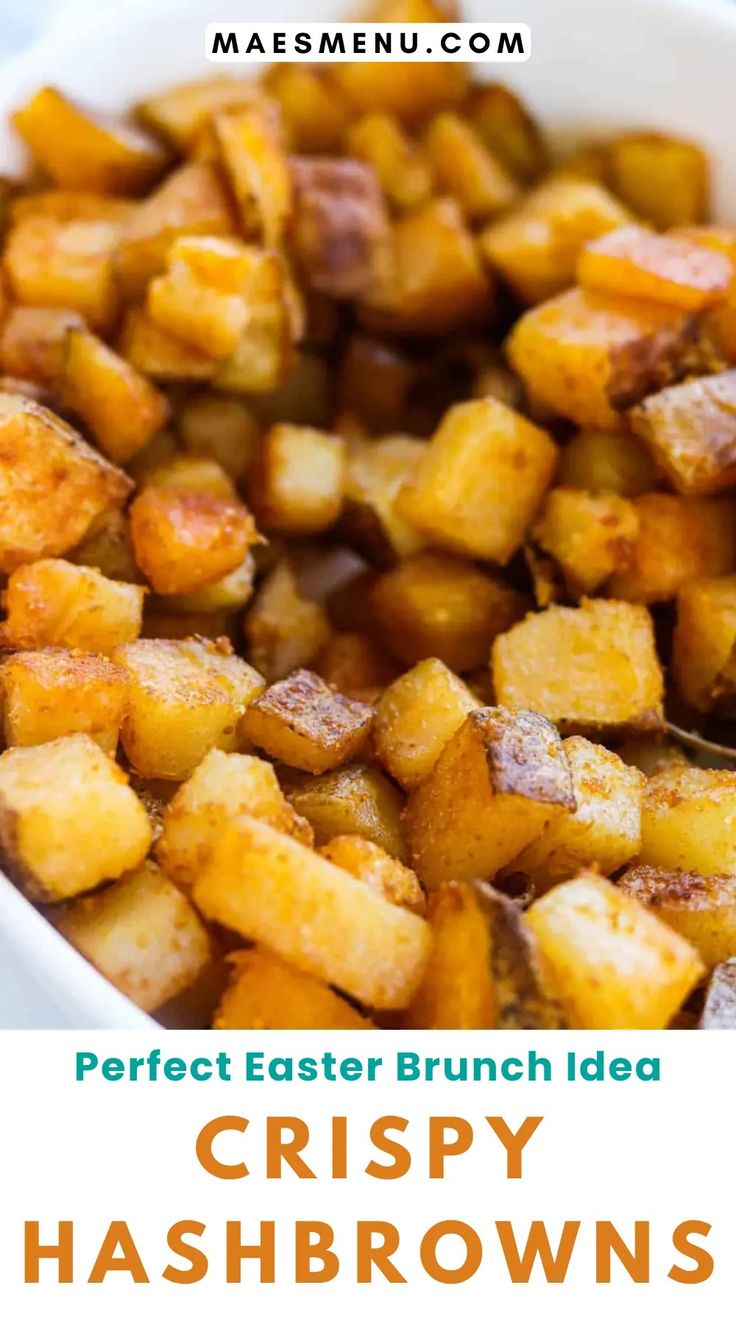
355, 801
464, 168
33, 342
634, 262
173, 472
500, 779
68, 819
268, 887
160, 355
203, 296
190, 201
224, 595
650, 753
661, 178
603, 831
375, 381
456, 992
719, 1010
296, 485
120, 407
339, 232
433, 605
142, 934
587, 356
52, 484
185, 540
481, 480
523, 994
72, 205
54, 602
402, 173
536, 247
688, 820
508, 130
614, 964
435, 283
186, 697
356, 665
53, 693
264, 355
181, 112
221, 787
314, 114
306, 725
690, 430
50, 264
283, 629
107, 547
79, 150
374, 866
222, 429
679, 539
264, 993
593, 667
415, 718
702, 909
704, 638
257, 169
607, 462
588, 535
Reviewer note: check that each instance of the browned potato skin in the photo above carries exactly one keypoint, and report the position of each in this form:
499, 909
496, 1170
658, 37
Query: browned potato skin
719, 1012
702, 909
339, 231
306, 725
357, 800
522, 993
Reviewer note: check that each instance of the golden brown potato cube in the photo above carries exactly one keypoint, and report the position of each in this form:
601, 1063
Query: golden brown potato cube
634, 262
661, 178
221, 787
615, 965
305, 724
203, 296
185, 540
433, 605
356, 665
371, 523
219, 428
719, 1010
52, 484
53, 693
435, 283
464, 168
68, 818
504, 124
704, 638
190, 201
607, 462
174, 472
54, 602
221, 597
186, 697
536, 247
79, 150
33, 342
688, 821
339, 231
481, 480
403, 175
604, 831
313, 112
72, 205
587, 535
587, 356
690, 430
456, 992
120, 407
158, 354
296, 485
50, 264
255, 163
268, 887
416, 716
264, 993
523, 994
497, 783
374, 866
354, 801
283, 629
264, 356
593, 666
679, 539
702, 909
181, 112
107, 547
142, 934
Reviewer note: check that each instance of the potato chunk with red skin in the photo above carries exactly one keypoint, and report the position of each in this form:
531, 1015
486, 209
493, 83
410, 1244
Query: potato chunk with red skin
33, 342
305, 724
374, 866
185, 540
264, 993
416, 716
702, 909
296, 484
56, 603
52, 484
54, 693
499, 780
480, 481
587, 535
588, 356
457, 991
50, 264
589, 667
679, 539
636, 263
704, 638
690, 430
121, 408
339, 231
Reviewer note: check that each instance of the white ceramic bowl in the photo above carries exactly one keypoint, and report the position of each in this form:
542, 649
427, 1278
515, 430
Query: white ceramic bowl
595, 64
